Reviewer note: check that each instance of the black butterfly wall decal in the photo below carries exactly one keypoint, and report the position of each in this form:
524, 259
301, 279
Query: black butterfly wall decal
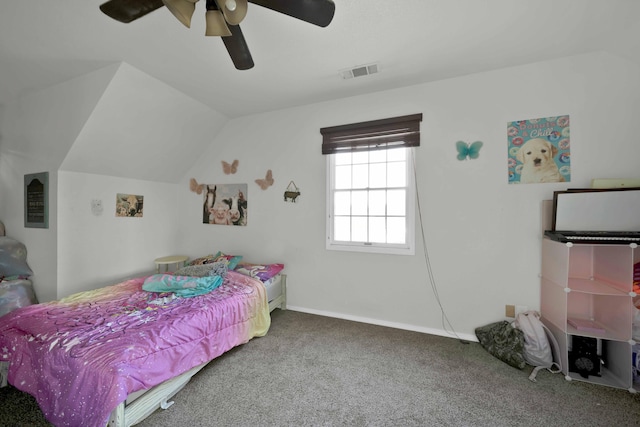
267, 181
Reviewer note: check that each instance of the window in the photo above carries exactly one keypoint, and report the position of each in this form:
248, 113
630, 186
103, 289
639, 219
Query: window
370, 185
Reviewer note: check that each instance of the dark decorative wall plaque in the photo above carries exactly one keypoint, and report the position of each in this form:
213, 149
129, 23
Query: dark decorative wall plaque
36, 200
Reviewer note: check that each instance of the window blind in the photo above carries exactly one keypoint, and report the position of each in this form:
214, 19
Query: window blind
403, 131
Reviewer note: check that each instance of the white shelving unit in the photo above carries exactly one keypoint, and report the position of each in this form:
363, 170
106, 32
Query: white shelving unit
591, 283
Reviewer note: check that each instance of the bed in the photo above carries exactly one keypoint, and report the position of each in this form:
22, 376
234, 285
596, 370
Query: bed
114, 355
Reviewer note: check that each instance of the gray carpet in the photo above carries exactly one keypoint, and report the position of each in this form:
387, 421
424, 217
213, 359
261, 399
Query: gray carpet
316, 371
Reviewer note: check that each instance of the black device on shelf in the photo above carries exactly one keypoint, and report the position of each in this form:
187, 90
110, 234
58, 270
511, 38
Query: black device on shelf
585, 358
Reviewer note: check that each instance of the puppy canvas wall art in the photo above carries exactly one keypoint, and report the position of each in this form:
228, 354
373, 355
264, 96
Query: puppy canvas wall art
539, 150
538, 164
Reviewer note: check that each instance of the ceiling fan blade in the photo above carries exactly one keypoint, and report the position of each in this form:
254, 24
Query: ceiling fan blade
129, 10
317, 12
238, 50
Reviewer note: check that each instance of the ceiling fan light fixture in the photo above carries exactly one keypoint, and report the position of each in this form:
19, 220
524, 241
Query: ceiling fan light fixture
216, 25
182, 10
234, 10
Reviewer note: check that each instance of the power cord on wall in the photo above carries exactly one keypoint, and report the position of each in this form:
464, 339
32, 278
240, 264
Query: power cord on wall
446, 323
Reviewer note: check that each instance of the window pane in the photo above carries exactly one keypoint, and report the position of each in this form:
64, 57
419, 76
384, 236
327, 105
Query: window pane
396, 231
359, 203
359, 229
371, 201
378, 175
342, 228
378, 156
396, 203
360, 158
343, 177
342, 203
397, 174
377, 230
377, 202
360, 176
343, 158
396, 154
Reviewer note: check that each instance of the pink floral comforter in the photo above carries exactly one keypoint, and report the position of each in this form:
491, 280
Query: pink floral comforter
81, 356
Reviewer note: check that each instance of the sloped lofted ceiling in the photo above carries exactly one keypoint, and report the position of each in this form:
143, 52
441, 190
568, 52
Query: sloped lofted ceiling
142, 128
44, 42
115, 121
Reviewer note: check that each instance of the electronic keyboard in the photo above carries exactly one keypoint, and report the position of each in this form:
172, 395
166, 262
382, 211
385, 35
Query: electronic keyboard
604, 237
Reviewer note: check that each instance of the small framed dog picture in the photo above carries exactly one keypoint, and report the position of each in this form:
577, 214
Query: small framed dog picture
539, 150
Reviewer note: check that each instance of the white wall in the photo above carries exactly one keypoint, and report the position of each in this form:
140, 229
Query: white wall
40, 242
97, 249
115, 130
482, 234
37, 132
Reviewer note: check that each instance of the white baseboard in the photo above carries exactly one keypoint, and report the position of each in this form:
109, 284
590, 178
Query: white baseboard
403, 326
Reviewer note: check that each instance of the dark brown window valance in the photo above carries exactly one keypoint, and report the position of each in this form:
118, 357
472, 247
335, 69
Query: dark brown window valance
381, 134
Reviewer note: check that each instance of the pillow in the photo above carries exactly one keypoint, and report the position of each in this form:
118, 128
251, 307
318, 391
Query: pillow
219, 269
13, 258
263, 272
208, 259
231, 260
199, 270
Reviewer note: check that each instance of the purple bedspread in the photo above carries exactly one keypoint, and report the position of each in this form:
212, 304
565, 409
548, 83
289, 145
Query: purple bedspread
81, 356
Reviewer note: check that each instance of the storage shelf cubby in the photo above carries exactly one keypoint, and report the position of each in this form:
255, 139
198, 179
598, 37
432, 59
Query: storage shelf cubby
587, 295
615, 370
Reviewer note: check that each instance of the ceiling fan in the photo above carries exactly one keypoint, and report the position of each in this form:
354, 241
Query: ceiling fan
223, 17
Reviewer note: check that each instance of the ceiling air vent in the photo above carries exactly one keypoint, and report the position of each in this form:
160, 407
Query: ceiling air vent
360, 71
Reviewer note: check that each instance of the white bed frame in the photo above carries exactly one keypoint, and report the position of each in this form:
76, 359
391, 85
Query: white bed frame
143, 403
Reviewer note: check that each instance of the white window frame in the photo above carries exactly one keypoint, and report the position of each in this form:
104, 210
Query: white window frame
408, 248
